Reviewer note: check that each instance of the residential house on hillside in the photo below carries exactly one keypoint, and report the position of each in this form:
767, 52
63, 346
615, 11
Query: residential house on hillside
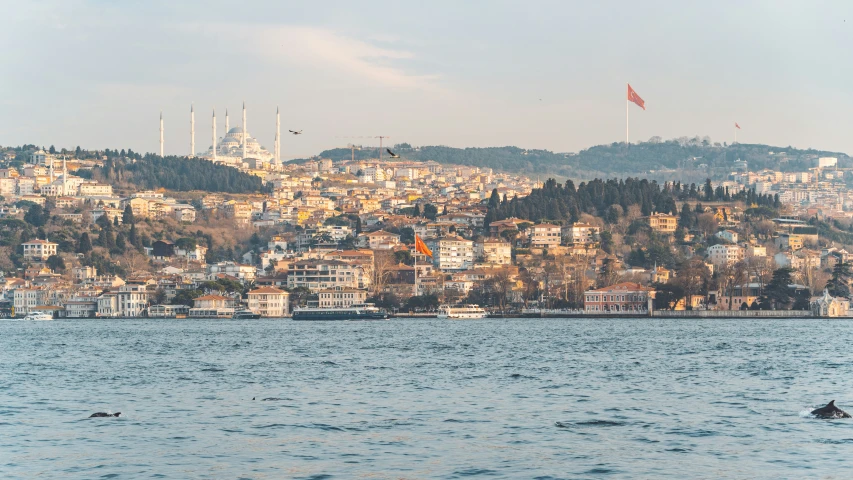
545, 235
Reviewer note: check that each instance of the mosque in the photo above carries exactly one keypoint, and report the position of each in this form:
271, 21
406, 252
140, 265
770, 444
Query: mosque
229, 149
236, 147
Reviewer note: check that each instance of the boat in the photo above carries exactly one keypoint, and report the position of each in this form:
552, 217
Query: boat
35, 316
362, 311
245, 315
461, 312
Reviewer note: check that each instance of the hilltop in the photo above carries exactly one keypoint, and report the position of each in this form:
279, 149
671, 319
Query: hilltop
680, 159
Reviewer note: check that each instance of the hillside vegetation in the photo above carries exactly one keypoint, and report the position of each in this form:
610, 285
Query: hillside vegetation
177, 174
678, 159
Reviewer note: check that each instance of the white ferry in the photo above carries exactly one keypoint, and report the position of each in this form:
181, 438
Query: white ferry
460, 312
35, 316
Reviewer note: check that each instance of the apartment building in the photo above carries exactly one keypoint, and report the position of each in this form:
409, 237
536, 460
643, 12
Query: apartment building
722, 255
545, 235
581, 234
452, 253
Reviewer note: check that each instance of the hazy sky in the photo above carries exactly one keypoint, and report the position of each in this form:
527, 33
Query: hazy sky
534, 74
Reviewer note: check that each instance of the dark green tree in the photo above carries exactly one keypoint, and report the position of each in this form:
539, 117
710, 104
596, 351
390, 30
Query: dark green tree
838, 285
133, 237
430, 211
55, 263
84, 245
35, 216
127, 216
121, 242
778, 294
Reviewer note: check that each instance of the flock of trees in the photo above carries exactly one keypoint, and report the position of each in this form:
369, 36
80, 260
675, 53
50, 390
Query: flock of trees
177, 173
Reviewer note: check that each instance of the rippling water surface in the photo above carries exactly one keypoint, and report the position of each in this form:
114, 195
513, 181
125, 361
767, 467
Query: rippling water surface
425, 399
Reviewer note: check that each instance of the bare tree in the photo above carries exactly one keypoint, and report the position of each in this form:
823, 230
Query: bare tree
383, 261
707, 224
503, 284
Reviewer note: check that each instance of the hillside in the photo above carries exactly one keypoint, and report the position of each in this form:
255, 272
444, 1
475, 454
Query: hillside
177, 174
678, 159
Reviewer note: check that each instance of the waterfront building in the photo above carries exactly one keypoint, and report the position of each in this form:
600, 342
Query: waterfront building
269, 302
212, 306
626, 297
341, 297
828, 306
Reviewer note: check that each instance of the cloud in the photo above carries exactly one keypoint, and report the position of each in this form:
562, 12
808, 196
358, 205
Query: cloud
324, 49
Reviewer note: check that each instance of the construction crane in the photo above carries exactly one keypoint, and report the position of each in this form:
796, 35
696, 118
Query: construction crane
354, 147
381, 137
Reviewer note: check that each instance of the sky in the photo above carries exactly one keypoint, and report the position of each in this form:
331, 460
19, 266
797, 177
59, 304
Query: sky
534, 74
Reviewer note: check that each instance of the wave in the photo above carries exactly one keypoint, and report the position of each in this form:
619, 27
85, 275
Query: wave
590, 423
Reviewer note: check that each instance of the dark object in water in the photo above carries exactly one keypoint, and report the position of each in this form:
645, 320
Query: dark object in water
830, 411
104, 414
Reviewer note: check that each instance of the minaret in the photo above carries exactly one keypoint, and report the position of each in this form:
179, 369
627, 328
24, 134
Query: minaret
277, 151
192, 130
226, 122
214, 134
51, 169
161, 133
244, 130
64, 177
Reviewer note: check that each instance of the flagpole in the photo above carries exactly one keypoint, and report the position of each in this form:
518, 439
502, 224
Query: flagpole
626, 121
735, 134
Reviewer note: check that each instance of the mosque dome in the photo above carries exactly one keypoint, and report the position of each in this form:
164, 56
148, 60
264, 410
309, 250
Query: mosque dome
236, 131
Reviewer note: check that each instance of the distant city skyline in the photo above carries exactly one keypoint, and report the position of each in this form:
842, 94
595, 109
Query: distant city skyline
539, 75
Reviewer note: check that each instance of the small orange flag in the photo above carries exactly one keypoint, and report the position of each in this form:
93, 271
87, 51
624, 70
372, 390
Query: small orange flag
421, 247
633, 97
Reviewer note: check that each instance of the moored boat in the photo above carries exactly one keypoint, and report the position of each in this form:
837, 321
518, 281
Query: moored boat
36, 316
245, 315
364, 311
461, 312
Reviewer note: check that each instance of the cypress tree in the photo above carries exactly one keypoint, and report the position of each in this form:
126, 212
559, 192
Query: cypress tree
84, 245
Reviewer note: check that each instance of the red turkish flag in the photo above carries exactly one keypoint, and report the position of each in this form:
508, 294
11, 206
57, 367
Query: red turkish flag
633, 97
737, 126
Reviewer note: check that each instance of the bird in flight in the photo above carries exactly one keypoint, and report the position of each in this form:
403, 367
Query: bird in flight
295, 132
393, 155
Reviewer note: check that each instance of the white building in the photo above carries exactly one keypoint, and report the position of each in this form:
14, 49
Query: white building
494, 251
452, 253
721, 255
727, 235
545, 235
39, 249
269, 302
341, 297
581, 233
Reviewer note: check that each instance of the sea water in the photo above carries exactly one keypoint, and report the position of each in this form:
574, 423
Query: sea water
426, 398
